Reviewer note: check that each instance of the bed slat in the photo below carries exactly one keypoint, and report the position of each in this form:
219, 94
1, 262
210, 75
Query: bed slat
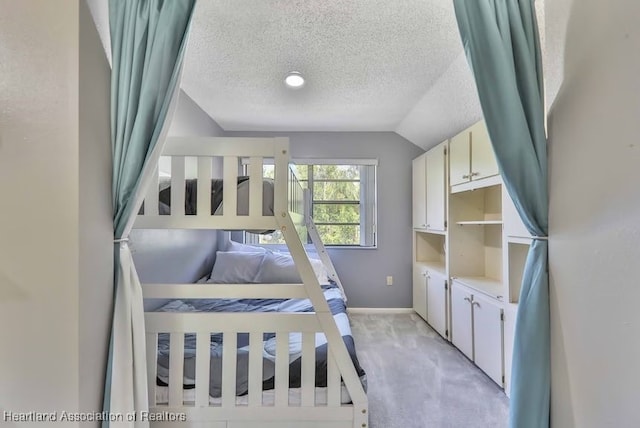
256, 348
333, 380
308, 369
177, 186
152, 366
229, 187
176, 369
204, 186
203, 355
282, 370
229, 363
255, 186
153, 195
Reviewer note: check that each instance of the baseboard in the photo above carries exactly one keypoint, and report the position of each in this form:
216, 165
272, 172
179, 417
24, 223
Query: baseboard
380, 311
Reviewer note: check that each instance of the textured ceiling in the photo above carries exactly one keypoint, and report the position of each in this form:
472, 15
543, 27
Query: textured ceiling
370, 65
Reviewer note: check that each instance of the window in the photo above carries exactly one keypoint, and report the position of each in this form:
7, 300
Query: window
343, 201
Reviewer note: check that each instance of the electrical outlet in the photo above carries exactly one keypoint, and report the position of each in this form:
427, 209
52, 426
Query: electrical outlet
389, 280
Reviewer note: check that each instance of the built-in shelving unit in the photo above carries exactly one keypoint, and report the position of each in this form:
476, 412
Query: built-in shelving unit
468, 266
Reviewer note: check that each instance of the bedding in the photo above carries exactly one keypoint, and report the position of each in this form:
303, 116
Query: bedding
338, 309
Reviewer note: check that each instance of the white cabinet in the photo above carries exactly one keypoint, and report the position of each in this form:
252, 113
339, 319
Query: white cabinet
461, 321
420, 290
420, 192
487, 336
509, 327
476, 329
483, 160
429, 189
437, 301
436, 187
460, 158
472, 157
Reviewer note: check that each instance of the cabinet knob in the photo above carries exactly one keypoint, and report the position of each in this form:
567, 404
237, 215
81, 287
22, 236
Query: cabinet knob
466, 176
467, 299
428, 225
475, 304
475, 174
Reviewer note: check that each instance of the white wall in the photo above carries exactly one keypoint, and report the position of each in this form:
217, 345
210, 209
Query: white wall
39, 315
96, 214
594, 67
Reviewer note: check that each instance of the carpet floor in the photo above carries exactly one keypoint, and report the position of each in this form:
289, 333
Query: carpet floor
416, 379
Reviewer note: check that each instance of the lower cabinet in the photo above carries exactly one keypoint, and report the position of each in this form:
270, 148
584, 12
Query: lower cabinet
477, 329
437, 301
420, 290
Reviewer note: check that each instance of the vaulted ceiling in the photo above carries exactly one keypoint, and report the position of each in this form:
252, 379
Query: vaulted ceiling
370, 65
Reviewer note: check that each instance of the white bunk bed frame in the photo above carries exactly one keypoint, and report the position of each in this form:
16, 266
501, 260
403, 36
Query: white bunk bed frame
288, 213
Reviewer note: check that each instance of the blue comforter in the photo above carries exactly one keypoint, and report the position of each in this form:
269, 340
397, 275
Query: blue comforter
338, 309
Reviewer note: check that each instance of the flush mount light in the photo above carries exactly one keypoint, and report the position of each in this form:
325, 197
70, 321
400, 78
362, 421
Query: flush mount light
294, 80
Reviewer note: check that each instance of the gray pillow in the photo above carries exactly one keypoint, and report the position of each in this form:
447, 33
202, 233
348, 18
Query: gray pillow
279, 268
236, 267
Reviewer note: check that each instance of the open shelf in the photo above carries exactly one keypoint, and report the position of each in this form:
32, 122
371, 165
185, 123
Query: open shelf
477, 206
429, 249
476, 245
490, 286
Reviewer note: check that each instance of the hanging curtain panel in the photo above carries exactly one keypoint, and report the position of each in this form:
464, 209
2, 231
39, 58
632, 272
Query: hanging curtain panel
148, 40
501, 42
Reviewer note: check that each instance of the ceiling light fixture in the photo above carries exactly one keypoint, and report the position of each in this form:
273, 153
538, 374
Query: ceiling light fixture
294, 80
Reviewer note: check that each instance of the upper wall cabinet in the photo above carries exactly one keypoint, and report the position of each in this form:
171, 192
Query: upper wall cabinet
472, 157
419, 199
430, 189
436, 188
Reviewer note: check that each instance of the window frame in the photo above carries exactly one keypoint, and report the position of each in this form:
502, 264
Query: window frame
367, 199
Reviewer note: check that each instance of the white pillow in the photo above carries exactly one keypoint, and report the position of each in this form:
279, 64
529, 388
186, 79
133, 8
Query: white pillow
278, 268
236, 267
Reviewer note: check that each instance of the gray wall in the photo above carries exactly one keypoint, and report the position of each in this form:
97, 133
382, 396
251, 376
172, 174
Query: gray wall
594, 212
39, 184
363, 272
96, 224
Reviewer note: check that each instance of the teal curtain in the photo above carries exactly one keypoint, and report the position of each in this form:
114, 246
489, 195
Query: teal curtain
500, 39
148, 40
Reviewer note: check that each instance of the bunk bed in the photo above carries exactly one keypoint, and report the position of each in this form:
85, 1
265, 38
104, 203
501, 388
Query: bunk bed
251, 351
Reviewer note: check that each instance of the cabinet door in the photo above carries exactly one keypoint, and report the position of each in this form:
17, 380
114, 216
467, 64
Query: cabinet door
459, 159
436, 191
437, 302
483, 160
461, 322
487, 336
419, 192
420, 291
509, 334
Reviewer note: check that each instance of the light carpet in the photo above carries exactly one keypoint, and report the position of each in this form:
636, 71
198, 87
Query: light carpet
416, 379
